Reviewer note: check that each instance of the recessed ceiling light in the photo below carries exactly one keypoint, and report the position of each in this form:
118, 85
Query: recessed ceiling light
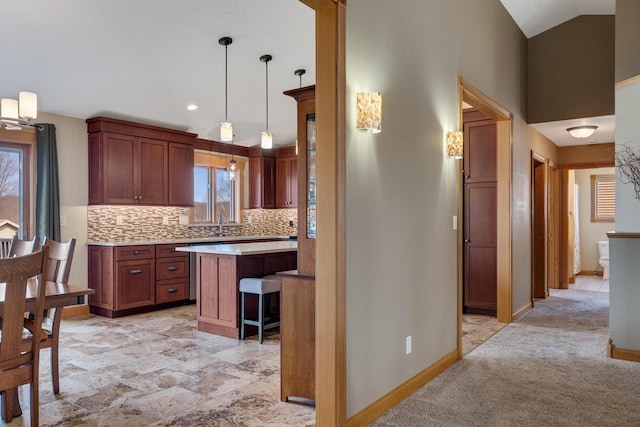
192, 107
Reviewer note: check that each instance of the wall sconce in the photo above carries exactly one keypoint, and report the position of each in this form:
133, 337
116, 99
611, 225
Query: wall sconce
369, 111
455, 144
582, 131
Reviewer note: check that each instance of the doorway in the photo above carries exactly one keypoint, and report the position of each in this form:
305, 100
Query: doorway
539, 227
480, 215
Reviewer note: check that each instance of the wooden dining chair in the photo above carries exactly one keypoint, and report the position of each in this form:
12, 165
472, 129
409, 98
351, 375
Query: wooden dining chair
59, 267
22, 247
17, 365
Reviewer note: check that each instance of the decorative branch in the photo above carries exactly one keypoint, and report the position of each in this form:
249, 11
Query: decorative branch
628, 164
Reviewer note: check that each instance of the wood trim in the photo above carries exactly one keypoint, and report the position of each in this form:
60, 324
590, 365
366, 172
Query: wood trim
219, 147
519, 312
24, 136
108, 124
621, 353
482, 102
623, 235
535, 157
76, 310
505, 290
404, 390
565, 268
331, 252
589, 165
590, 273
281, 152
628, 82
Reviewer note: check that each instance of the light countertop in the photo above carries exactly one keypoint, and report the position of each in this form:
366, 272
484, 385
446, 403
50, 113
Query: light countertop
186, 240
255, 248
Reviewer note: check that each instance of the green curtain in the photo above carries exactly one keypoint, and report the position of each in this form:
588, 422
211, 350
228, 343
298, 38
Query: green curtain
47, 190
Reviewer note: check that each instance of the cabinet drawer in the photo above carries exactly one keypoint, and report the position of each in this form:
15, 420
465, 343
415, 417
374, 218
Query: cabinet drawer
135, 284
163, 251
172, 268
172, 290
135, 252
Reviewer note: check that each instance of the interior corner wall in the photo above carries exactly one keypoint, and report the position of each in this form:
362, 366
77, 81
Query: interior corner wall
402, 189
627, 36
571, 70
73, 165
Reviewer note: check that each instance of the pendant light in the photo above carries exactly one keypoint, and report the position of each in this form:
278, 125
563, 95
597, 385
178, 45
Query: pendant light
299, 72
226, 128
267, 138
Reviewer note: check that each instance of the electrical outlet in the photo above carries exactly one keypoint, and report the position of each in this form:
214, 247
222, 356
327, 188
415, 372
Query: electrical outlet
183, 220
63, 220
118, 219
290, 223
165, 220
407, 349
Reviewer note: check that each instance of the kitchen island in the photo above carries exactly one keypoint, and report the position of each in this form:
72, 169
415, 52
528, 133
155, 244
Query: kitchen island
219, 269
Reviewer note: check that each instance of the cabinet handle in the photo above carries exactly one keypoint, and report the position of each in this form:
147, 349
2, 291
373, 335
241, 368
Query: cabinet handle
136, 271
172, 291
136, 252
172, 268
173, 249
466, 240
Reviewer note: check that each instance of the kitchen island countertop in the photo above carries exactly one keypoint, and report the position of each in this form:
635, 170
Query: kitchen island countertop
254, 248
194, 240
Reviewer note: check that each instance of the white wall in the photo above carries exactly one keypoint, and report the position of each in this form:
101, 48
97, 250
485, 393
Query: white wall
401, 189
590, 232
73, 156
624, 295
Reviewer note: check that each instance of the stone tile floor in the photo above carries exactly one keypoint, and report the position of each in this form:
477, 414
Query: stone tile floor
156, 369
590, 283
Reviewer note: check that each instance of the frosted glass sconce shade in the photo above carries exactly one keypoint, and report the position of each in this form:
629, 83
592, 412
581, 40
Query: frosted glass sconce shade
369, 111
455, 144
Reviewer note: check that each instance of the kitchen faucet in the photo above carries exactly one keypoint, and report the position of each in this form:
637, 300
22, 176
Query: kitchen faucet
220, 223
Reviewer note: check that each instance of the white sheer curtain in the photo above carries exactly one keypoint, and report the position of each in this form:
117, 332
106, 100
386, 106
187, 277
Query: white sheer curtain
576, 233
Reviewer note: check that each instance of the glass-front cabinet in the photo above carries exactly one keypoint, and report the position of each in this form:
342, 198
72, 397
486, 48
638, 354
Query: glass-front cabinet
311, 176
307, 144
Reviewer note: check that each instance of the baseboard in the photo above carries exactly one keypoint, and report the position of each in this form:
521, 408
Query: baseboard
518, 313
404, 390
590, 273
621, 353
76, 310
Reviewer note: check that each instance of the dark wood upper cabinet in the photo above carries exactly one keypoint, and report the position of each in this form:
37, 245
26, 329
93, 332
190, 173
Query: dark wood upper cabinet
180, 174
261, 179
286, 178
131, 163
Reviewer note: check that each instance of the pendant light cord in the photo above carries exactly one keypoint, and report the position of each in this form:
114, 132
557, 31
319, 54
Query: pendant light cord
266, 64
225, 82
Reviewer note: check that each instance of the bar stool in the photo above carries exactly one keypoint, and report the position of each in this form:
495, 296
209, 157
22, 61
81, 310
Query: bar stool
261, 286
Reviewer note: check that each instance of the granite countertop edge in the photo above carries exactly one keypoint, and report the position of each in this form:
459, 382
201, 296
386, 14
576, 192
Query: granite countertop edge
195, 240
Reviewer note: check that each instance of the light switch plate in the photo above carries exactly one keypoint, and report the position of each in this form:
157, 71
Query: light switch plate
165, 220
408, 345
63, 220
118, 219
455, 222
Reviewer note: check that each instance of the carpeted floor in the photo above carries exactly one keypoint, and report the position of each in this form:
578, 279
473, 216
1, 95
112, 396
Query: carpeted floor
549, 368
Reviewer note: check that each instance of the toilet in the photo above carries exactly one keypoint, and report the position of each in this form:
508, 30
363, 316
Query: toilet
603, 250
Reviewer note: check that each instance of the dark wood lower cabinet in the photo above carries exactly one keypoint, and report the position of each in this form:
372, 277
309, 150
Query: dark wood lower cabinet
218, 278
136, 279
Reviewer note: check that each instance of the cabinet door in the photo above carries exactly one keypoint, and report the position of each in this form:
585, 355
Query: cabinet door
135, 283
287, 182
180, 174
120, 172
153, 176
261, 182
283, 192
101, 276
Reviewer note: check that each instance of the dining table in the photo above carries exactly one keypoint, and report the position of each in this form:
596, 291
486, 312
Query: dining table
57, 295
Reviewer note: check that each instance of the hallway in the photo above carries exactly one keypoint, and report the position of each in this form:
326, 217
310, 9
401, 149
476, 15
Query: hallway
547, 368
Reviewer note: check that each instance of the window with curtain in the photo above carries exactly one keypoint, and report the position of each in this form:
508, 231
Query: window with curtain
603, 198
14, 190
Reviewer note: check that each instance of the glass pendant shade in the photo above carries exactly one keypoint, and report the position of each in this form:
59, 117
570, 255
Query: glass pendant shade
28, 105
232, 169
9, 110
226, 132
267, 140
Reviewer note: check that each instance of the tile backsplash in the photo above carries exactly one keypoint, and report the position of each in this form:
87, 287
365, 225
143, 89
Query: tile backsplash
134, 223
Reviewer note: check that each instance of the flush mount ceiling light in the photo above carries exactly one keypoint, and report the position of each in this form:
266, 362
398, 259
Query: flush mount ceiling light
16, 114
369, 111
455, 144
582, 131
226, 128
267, 138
